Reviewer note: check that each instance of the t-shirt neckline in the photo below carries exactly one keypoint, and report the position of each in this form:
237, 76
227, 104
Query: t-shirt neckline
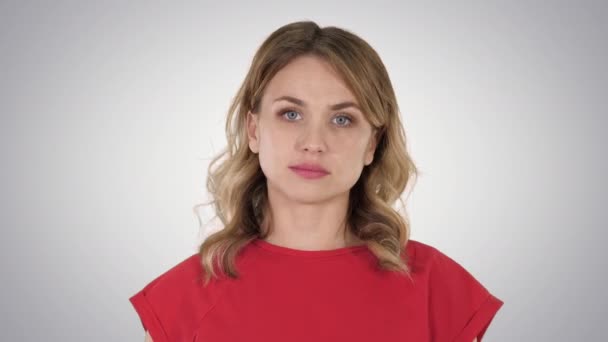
306, 253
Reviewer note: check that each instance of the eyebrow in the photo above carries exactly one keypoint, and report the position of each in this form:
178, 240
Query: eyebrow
337, 106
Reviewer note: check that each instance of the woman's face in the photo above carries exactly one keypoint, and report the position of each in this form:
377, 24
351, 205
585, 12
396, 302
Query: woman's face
302, 127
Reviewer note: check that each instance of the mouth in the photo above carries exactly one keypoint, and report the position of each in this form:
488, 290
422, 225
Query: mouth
308, 173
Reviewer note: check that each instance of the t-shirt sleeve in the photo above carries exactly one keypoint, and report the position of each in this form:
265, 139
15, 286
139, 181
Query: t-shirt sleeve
151, 305
460, 307
170, 306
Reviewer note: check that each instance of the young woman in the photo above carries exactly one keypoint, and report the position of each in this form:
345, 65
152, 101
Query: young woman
312, 248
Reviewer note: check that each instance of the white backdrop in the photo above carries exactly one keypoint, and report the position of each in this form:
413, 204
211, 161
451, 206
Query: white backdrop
111, 111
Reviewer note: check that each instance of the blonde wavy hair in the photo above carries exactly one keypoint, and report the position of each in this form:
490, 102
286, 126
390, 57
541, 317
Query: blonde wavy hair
237, 184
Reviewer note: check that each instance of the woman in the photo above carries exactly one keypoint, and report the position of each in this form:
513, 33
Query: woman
311, 248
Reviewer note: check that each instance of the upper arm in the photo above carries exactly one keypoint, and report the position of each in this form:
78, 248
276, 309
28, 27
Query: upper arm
149, 338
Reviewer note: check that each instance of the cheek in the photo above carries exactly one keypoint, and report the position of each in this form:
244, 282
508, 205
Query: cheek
274, 151
350, 158
351, 149
350, 169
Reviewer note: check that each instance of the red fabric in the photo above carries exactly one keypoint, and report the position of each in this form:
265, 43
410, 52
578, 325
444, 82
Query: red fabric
285, 294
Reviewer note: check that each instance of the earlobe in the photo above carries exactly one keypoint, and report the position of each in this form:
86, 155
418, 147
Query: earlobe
252, 132
369, 158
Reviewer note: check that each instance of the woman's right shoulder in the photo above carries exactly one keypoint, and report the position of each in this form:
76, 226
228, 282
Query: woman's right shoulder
173, 303
184, 272
184, 279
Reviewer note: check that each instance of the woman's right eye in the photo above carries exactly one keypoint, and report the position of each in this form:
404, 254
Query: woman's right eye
289, 114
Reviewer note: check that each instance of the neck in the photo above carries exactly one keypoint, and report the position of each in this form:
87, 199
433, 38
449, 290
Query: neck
301, 225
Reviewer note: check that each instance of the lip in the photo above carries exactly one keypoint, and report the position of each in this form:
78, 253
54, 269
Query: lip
309, 171
309, 167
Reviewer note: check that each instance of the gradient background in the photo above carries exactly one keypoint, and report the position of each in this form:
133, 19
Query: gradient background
111, 111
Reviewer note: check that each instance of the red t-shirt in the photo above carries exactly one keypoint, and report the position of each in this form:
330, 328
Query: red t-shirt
285, 294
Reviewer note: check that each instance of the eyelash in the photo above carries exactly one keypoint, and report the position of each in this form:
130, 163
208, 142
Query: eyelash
350, 119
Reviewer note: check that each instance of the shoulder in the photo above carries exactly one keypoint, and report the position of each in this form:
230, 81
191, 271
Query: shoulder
437, 267
429, 259
181, 282
421, 255
172, 304
186, 273
460, 306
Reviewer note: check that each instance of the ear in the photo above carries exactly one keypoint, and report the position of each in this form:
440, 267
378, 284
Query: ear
371, 147
253, 131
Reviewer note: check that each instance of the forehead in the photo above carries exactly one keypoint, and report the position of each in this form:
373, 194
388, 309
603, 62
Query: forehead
312, 78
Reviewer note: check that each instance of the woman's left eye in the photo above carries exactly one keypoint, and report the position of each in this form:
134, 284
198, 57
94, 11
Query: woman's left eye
345, 118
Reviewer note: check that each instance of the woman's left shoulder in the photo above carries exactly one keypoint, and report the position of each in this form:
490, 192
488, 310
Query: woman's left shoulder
426, 258
460, 306
421, 255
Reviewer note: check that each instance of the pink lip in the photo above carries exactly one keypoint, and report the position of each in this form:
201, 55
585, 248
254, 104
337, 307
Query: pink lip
309, 167
309, 171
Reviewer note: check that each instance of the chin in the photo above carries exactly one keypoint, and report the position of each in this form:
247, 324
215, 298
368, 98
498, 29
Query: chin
313, 194
306, 193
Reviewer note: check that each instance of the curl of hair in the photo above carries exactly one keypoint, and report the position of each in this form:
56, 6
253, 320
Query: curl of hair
238, 186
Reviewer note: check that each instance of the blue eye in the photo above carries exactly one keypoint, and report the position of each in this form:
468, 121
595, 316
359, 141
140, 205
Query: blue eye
289, 111
345, 117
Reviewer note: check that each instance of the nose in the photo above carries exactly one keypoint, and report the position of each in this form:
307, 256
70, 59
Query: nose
312, 140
